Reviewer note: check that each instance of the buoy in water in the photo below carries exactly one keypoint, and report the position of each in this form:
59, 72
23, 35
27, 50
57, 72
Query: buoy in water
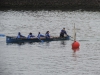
75, 46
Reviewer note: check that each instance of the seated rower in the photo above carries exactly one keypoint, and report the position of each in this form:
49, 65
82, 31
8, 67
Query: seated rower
40, 35
47, 34
20, 36
30, 36
63, 31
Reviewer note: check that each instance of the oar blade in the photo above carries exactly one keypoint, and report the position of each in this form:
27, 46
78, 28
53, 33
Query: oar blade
2, 35
42, 41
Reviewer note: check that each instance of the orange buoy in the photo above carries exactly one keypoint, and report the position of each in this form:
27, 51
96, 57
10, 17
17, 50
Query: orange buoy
75, 46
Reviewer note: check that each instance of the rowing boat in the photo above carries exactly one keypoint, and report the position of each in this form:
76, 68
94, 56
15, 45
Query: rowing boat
13, 39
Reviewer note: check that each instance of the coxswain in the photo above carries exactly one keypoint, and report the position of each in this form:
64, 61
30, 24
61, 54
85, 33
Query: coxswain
63, 31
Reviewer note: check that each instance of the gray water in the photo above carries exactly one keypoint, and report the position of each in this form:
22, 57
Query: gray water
50, 58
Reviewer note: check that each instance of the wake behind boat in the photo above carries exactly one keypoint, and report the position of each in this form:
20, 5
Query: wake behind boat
14, 39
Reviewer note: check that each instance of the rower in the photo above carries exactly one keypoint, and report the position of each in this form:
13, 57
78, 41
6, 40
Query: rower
63, 31
20, 36
30, 36
40, 35
47, 34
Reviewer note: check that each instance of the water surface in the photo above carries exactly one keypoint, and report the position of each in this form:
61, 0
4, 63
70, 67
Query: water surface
50, 58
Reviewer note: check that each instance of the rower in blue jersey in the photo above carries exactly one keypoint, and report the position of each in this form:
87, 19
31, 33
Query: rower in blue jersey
30, 36
20, 36
63, 31
47, 34
40, 35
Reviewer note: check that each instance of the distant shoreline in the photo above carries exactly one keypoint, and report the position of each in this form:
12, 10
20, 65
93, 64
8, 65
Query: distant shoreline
52, 8
51, 4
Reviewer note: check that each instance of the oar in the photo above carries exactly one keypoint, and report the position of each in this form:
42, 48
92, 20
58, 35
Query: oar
70, 36
40, 39
2, 35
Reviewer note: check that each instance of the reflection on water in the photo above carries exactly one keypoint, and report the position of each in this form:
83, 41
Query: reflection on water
75, 56
16, 43
30, 43
63, 43
47, 43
